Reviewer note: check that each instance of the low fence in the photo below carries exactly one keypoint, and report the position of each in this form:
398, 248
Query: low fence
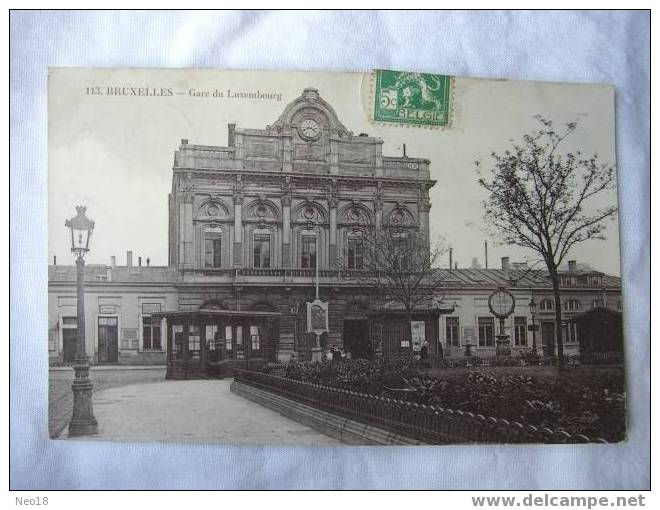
431, 424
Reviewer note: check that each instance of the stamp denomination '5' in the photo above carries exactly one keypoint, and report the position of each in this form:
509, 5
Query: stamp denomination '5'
412, 98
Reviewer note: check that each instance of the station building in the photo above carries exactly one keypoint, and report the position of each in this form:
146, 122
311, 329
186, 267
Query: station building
250, 223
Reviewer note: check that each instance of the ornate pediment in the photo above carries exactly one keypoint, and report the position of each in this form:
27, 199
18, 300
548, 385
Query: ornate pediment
355, 213
308, 114
262, 209
213, 209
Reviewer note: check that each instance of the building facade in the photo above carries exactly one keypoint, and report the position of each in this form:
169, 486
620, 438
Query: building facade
251, 226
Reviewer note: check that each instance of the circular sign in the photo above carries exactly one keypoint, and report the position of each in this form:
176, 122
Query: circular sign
501, 303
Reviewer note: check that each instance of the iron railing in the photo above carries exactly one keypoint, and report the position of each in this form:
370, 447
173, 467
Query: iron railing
430, 424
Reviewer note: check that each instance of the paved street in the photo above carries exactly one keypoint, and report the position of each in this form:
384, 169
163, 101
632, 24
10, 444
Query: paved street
203, 411
60, 396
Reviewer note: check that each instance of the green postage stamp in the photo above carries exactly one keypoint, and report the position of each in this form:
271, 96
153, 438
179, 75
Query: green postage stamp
412, 98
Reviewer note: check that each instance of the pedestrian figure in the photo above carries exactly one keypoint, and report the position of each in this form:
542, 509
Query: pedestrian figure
336, 355
424, 353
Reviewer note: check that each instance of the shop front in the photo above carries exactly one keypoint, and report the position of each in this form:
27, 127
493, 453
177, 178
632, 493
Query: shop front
212, 343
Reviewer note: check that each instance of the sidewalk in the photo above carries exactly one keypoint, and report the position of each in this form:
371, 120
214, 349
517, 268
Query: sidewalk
103, 368
200, 411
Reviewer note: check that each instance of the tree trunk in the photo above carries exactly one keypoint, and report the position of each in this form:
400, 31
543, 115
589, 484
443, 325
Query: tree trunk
558, 327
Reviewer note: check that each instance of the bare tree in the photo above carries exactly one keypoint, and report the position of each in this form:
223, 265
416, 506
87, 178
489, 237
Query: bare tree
542, 199
397, 262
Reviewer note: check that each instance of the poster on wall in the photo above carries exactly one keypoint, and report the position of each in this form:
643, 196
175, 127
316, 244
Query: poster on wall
418, 334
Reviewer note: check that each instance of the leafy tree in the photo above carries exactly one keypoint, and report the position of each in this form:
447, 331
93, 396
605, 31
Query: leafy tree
543, 199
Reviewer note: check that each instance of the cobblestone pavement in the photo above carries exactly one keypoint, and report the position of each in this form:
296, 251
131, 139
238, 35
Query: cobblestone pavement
60, 396
201, 411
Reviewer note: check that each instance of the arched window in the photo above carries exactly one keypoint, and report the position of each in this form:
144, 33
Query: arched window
547, 305
572, 305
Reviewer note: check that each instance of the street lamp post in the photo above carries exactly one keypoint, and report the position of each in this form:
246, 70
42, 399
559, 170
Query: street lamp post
83, 422
532, 310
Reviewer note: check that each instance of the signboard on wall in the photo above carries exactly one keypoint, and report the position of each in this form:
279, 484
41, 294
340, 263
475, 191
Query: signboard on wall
317, 317
148, 308
418, 334
107, 309
129, 338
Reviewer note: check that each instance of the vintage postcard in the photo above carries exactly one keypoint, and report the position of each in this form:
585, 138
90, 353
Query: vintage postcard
382, 258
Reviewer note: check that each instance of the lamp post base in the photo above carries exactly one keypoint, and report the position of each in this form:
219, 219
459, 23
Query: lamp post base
503, 348
317, 354
83, 422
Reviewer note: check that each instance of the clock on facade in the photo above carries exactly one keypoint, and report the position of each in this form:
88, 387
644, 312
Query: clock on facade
309, 129
501, 303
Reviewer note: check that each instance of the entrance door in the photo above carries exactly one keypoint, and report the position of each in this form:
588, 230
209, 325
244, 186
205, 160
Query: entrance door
548, 338
356, 338
108, 340
69, 344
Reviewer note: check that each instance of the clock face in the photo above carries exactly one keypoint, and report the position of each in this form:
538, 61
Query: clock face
309, 129
502, 303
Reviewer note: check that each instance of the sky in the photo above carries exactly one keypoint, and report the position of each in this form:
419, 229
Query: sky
114, 153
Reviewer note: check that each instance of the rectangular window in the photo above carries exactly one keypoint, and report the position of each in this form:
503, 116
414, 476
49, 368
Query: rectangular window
239, 335
403, 333
194, 342
569, 332
177, 338
151, 333
597, 303
401, 255
308, 252
228, 338
520, 331
255, 339
262, 250
486, 331
451, 335
212, 336
70, 322
212, 252
355, 253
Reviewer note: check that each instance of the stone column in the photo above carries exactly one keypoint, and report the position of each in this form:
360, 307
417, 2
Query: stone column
334, 156
186, 232
333, 232
286, 154
238, 230
378, 205
424, 207
286, 230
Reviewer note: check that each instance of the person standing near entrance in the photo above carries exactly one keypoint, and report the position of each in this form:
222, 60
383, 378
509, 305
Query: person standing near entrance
424, 353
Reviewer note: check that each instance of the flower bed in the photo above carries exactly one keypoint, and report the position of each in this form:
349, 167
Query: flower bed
592, 405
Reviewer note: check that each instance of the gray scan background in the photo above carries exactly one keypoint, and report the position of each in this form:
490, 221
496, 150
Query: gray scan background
585, 46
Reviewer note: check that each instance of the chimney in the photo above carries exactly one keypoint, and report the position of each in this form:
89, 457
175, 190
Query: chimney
184, 141
451, 256
108, 273
231, 128
455, 265
147, 261
486, 254
572, 266
113, 261
54, 260
140, 261
129, 258
505, 263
